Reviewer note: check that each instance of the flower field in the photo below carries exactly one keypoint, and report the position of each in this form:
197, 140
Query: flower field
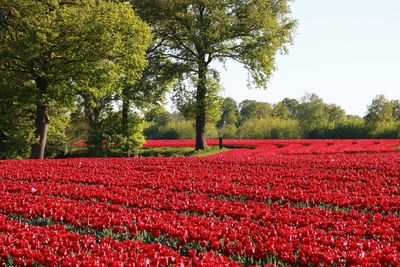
284, 203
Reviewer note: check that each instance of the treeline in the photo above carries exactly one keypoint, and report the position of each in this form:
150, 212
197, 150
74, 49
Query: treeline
308, 117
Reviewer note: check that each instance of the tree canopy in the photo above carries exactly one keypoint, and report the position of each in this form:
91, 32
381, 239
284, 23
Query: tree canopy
196, 33
59, 48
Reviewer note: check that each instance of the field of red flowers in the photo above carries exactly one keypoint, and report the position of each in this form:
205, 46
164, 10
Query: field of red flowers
283, 203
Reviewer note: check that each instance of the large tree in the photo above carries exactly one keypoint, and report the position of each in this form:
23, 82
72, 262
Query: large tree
199, 32
59, 48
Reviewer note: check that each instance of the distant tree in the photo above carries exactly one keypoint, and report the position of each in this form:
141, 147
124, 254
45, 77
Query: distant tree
292, 105
280, 111
312, 115
379, 111
60, 47
316, 117
157, 120
270, 128
229, 120
350, 127
197, 33
335, 113
395, 109
249, 109
229, 113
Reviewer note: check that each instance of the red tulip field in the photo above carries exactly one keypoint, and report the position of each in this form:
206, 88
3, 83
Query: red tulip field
281, 203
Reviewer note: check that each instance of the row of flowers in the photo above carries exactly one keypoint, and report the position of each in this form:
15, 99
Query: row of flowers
299, 202
294, 235
26, 245
324, 146
363, 182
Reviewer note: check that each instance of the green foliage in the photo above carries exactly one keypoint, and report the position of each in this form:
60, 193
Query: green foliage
386, 129
228, 131
54, 50
173, 129
15, 142
229, 113
132, 139
57, 140
185, 97
250, 32
315, 116
280, 111
351, 127
396, 109
252, 109
177, 129
292, 106
196, 33
156, 121
271, 128
380, 114
184, 129
56, 41
109, 134
16, 124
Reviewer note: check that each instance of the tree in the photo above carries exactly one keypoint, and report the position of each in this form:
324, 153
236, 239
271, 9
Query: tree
396, 109
293, 107
229, 113
286, 109
270, 128
335, 113
253, 109
159, 76
316, 117
199, 32
280, 111
229, 119
185, 98
350, 127
379, 111
59, 48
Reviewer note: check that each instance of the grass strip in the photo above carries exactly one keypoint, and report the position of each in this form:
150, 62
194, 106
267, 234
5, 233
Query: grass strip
179, 151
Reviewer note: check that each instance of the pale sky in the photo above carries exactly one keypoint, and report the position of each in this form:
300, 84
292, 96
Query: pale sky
345, 51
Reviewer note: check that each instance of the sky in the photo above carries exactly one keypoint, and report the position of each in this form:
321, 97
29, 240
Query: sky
345, 51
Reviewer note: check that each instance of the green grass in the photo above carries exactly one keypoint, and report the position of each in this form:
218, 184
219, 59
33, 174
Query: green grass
179, 152
146, 152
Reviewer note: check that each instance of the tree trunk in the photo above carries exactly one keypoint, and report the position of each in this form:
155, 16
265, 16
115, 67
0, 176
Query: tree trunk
42, 122
92, 115
201, 103
125, 114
